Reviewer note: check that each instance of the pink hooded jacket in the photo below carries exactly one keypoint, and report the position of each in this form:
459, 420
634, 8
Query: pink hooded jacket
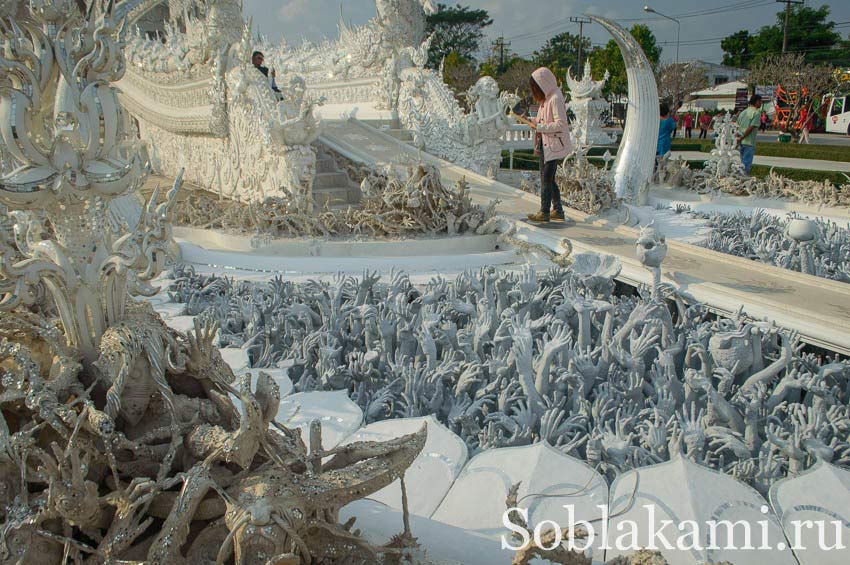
551, 119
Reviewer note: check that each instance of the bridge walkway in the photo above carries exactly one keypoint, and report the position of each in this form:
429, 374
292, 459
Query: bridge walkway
818, 308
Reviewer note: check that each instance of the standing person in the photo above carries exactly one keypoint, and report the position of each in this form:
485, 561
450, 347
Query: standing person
688, 122
257, 59
748, 124
763, 119
665, 130
704, 122
806, 121
552, 141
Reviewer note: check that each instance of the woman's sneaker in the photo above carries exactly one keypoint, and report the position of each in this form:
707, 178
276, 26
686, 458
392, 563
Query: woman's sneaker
538, 217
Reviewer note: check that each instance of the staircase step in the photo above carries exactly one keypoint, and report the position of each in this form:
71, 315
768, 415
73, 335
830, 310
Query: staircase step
401, 134
344, 206
326, 165
330, 180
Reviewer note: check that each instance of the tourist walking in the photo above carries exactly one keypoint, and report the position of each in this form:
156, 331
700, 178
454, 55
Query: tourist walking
806, 125
748, 125
665, 130
704, 122
552, 141
688, 122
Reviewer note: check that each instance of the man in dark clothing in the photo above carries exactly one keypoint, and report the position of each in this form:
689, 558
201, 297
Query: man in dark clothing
257, 59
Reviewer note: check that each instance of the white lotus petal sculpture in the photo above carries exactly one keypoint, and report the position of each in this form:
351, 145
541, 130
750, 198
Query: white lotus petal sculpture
813, 507
694, 496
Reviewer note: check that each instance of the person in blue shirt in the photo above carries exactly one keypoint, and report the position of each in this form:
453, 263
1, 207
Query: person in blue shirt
665, 130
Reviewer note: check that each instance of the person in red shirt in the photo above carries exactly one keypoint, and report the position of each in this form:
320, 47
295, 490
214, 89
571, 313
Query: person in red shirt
704, 122
688, 122
806, 123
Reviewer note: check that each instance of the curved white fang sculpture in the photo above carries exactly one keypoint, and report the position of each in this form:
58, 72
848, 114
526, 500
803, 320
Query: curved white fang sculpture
636, 156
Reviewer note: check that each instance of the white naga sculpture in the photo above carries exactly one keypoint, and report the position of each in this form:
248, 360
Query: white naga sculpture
636, 155
381, 67
119, 441
440, 126
203, 108
587, 105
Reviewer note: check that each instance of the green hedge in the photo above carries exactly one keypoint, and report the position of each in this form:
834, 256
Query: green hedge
775, 149
836, 178
526, 161
797, 151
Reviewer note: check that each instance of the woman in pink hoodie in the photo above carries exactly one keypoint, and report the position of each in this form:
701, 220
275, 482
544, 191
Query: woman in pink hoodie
552, 141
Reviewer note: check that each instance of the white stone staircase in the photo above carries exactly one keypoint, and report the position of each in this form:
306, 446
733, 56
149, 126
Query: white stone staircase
332, 186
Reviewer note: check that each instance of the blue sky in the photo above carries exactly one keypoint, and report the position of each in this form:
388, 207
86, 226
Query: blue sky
528, 24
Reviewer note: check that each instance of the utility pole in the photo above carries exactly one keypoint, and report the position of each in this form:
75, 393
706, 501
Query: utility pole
787, 14
500, 45
580, 22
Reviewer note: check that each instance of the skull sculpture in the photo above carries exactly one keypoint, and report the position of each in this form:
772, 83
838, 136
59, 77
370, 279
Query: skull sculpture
651, 246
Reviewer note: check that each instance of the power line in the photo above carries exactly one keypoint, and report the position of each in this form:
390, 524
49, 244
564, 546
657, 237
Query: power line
747, 4
541, 31
708, 40
710, 11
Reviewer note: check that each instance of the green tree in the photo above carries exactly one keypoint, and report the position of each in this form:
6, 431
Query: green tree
458, 73
609, 58
456, 29
810, 32
560, 52
515, 78
736, 49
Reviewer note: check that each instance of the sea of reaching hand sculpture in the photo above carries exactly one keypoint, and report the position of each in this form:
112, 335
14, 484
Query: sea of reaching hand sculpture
621, 381
118, 440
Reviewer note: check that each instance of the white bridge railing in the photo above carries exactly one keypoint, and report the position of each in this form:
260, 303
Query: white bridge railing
518, 136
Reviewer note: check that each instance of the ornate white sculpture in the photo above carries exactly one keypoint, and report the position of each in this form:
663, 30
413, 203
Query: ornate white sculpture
509, 359
820, 248
725, 159
65, 131
415, 204
428, 108
651, 249
636, 155
102, 422
587, 105
205, 109
364, 64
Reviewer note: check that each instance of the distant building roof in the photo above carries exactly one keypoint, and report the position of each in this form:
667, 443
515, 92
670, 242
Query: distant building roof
721, 90
718, 67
